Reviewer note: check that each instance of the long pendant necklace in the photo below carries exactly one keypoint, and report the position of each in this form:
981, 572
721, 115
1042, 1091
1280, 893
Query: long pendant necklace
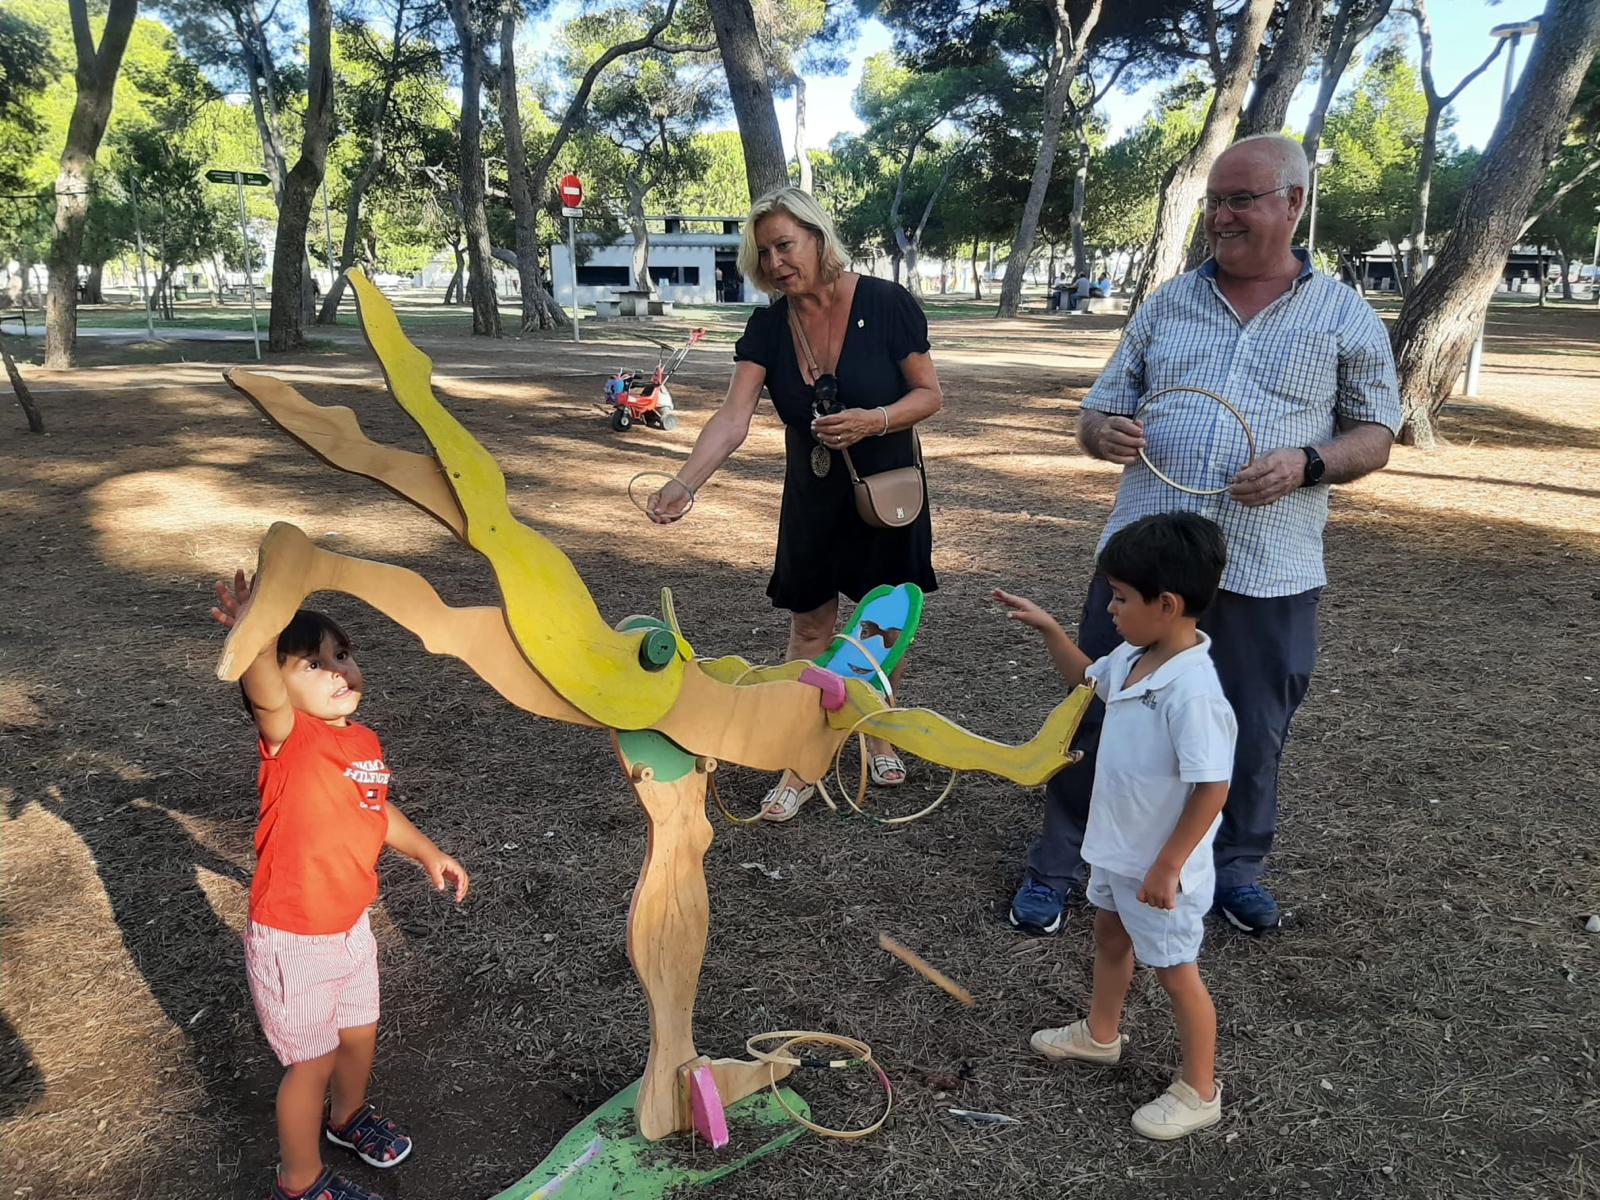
821, 456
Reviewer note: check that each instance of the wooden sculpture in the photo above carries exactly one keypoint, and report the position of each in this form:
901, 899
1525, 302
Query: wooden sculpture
547, 650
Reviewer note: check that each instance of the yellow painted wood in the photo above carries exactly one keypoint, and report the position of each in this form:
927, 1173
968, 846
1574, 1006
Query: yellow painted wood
333, 434
548, 607
929, 736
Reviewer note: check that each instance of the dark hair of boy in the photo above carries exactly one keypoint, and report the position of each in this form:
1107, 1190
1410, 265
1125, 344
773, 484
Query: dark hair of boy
302, 637
1178, 552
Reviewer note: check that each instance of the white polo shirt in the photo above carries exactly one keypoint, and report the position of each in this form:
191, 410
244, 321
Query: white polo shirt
1166, 733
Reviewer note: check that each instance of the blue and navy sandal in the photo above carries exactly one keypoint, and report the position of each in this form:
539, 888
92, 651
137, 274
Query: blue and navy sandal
327, 1186
378, 1141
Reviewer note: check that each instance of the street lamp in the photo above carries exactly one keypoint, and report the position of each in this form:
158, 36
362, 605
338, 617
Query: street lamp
1516, 31
1325, 155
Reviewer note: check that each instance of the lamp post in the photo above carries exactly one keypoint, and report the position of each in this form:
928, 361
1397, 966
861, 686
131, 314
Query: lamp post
1325, 156
1516, 31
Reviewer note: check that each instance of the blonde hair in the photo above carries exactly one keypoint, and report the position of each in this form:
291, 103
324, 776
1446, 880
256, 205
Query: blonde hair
803, 208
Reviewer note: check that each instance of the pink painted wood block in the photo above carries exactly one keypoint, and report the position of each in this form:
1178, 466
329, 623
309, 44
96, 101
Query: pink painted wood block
705, 1105
830, 685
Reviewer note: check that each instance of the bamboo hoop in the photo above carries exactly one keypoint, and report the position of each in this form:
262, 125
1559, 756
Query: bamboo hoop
1163, 476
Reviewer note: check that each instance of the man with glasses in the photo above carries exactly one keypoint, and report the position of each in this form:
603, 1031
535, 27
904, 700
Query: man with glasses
1307, 363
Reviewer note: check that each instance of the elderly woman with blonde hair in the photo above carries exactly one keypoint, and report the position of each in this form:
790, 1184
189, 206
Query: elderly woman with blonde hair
859, 379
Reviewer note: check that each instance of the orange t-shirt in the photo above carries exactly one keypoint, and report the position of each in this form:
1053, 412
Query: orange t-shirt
323, 820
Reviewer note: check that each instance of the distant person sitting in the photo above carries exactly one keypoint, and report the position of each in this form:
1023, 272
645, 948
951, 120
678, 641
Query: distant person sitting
1079, 293
1102, 289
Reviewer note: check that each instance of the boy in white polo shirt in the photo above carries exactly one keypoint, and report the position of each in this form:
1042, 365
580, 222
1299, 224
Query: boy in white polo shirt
1166, 756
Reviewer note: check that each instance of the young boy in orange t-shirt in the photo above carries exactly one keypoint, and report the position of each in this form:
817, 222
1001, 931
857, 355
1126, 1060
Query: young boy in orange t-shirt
325, 818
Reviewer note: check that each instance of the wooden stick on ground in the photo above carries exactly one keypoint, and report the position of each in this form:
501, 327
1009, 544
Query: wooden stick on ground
24, 397
931, 974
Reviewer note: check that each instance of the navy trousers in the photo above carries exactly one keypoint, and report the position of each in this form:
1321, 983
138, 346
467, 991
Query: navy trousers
1264, 651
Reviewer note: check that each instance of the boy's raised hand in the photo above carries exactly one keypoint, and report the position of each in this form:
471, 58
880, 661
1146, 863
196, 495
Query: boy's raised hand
231, 600
1020, 608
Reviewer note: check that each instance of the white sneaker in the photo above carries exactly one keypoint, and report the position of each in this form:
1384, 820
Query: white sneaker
1076, 1042
1177, 1113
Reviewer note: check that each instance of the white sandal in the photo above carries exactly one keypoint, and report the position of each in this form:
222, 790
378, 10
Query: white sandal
784, 801
881, 764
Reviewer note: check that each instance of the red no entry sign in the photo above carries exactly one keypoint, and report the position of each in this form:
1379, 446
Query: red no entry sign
571, 188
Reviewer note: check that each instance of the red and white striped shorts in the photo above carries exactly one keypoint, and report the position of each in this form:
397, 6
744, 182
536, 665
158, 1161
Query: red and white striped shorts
307, 987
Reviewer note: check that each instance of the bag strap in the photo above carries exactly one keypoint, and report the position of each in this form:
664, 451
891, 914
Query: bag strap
800, 339
916, 450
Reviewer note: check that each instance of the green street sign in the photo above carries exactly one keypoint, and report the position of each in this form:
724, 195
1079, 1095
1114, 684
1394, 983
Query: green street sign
248, 178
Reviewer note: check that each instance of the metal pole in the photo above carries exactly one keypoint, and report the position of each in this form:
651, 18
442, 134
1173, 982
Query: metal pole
138, 240
1594, 278
249, 269
572, 251
1311, 229
327, 233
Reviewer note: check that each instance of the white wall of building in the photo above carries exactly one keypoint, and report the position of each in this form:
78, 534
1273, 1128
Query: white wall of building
691, 259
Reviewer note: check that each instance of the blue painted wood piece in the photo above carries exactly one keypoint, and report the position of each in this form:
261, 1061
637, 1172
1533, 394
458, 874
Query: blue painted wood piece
885, 622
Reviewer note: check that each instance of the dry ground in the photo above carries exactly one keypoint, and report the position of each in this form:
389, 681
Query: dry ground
1426, 1027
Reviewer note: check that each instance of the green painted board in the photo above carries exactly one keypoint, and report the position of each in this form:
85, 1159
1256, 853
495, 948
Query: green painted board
604, 1157
670, 761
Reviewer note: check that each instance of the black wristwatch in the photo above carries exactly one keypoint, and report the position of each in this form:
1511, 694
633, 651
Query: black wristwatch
1315, 467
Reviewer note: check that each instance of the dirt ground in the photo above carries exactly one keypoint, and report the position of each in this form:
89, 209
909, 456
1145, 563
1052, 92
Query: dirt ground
1426, 1026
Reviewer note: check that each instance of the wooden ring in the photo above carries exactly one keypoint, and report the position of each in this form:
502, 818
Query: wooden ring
670, 479
1238, 416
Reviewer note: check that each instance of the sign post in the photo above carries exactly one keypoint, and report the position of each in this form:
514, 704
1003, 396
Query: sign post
245, 179
571, 191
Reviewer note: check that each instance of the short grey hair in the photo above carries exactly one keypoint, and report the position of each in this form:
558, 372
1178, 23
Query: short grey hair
803, 209
1287, 156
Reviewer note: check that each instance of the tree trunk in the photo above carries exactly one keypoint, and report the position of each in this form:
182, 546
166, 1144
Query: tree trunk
369, 170
480, 253
1283, 69
640, 267
24, 396
802, 152
1416, 257
454, 291
1346, 35
539, 307
1080, 190
1566, 271
286, 324
977, 273
1439, 319
1066, 53
96, 79
92, 286
751, 91
1180, 198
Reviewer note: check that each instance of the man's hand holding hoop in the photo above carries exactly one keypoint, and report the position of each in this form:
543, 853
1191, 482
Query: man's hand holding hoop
1120, 439
1269, 479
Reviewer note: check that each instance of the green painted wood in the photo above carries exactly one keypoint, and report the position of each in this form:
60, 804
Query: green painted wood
627, 1167
670, 761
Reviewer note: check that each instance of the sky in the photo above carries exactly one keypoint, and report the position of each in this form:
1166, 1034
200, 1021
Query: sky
1461, 41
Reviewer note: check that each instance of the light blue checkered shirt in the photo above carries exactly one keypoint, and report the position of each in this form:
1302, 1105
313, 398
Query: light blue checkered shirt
1316, 352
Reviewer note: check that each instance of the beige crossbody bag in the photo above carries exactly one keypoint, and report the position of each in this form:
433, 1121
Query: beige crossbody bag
887, 499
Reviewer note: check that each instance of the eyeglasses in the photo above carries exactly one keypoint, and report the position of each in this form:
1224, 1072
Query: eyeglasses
1240, 201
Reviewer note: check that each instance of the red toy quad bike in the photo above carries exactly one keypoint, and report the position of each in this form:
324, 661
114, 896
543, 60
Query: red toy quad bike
631, 396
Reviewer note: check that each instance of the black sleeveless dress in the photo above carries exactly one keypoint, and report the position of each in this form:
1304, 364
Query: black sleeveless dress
824, 547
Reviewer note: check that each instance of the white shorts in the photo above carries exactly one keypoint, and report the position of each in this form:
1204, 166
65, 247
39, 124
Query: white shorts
308, 987
1161, 937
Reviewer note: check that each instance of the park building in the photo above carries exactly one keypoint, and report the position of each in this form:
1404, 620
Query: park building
693, 260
